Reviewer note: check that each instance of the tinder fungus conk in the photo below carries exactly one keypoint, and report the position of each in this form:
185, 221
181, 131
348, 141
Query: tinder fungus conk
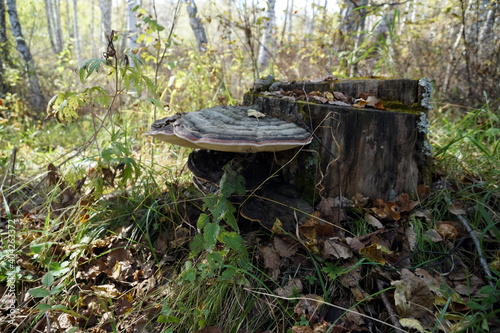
231, 129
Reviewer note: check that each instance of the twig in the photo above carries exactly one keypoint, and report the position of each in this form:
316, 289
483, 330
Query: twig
326, 303
388, 306
474, 238
10, 169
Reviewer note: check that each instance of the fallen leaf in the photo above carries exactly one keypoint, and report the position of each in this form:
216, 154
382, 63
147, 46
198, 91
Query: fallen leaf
106, 290
433, 235
447, 231
255, 113
360, 103
302, 329
373, 221
334, 247
319, 99
292, 288
340, 96
339, 103
456, 208
329, 96
411, 237
412, 296
308, 306
284, 248
271, 259
375, 253
411, 323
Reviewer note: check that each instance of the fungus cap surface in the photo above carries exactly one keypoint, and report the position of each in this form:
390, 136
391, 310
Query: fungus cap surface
232, 129
163, 129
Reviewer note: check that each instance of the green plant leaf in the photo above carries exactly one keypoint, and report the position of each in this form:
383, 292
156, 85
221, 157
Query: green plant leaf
44, 307
215, 260
203, 219
210, 234
197, 244
167, 319
156, 103
234, 241
48, 279
39, 292
89, 66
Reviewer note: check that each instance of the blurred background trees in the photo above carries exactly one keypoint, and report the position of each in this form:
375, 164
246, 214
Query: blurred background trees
213, 50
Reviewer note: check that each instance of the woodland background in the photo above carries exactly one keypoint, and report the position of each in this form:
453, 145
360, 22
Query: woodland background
107, 224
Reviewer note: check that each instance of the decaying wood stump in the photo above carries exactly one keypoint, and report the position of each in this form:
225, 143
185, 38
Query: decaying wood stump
376, 153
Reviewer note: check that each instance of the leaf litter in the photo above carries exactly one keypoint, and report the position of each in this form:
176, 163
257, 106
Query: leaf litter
320, 270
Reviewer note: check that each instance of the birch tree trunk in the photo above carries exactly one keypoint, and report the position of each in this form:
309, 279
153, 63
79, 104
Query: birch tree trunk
105, 6
76, 33
3, 49
91, 28
53, 13
353, 16
131, 25
36, 98
196, 25
486, 42
267, 41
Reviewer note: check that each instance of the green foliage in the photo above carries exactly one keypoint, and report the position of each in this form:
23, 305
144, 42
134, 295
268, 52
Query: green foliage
469, 143
212, 237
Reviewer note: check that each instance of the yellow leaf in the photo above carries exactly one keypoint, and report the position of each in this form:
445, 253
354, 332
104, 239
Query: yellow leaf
375, 253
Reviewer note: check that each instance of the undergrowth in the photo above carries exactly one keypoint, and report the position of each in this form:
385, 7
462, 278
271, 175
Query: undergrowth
108, 231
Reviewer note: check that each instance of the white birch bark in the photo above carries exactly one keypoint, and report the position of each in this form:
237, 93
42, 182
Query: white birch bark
487, 39
132, 31
196, 25
76, 32
105, 6
3, 43
53, 14
267, 40
36, 98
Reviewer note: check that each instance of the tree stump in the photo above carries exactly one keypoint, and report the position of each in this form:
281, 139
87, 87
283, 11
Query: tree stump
373, 152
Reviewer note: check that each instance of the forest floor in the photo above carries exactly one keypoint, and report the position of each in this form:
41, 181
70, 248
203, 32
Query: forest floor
129, 259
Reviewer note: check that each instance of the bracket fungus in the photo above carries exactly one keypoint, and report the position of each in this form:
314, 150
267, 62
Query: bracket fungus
230, 129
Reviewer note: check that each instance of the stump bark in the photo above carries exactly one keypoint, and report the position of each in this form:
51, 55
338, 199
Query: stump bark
376, 153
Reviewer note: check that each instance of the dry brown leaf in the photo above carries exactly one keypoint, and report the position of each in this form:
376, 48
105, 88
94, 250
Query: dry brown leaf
106, 290
363, 95
339, 103
425, 214
271, 259
360, 103
334, 247
255, 113
277, 228
447, 230
284, 248
308, 306
371, 101
302, 329
375, 253
293, 287
329, 96
373, 221
411, 323
341, 96
411, 237
456, 208
433, 235
319, 99
412, 296
321, 327
423, 191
